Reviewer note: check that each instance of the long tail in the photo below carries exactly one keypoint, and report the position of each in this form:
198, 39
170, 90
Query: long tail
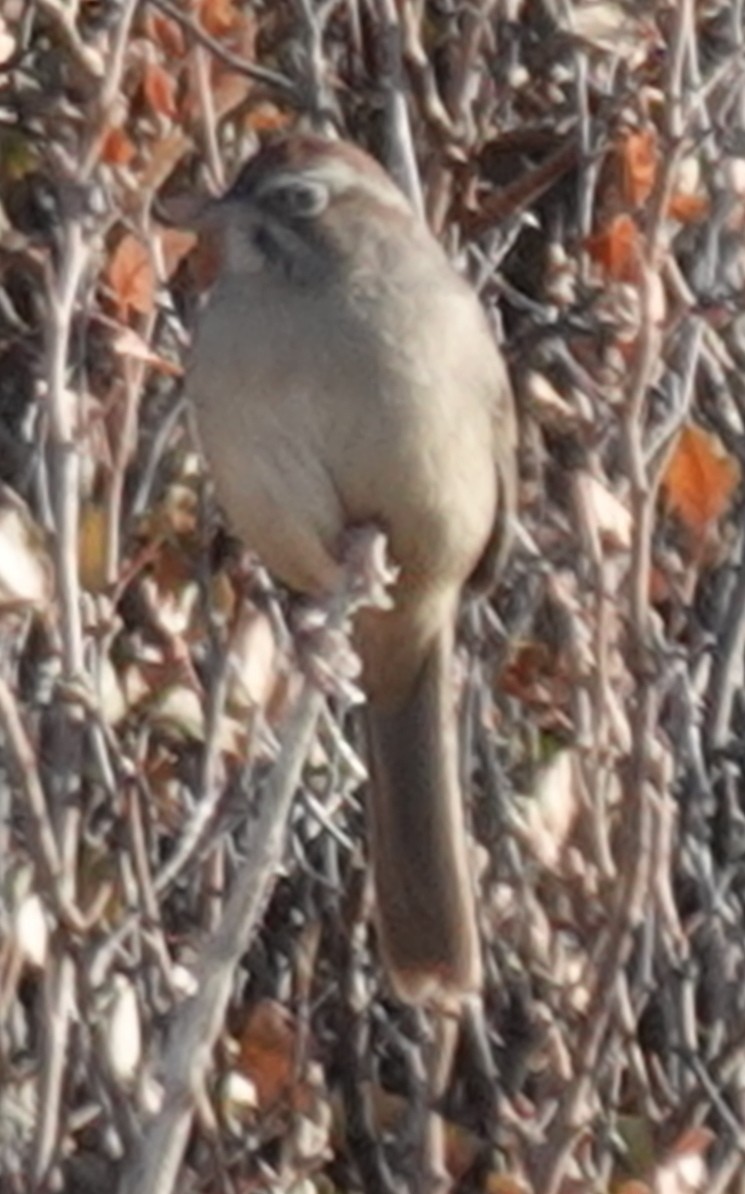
424, 891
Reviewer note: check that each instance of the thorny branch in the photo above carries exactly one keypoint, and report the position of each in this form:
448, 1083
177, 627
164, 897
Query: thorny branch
602, 700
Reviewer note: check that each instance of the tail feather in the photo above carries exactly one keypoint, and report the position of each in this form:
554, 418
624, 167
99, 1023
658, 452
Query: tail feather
424, 893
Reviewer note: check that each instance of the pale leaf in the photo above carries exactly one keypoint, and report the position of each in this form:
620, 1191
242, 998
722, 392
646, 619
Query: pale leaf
26, 572
611, 519
123, 1032
31, 931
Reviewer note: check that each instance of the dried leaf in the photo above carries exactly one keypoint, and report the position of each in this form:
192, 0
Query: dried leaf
238, 1097
176, 243
123, 1031
93, 546
26, 573
166, 33
553, 808
129, 344
546, 403
461, 1149
178, 711
7, 43
159, 90
177, 514
700, 479
254, 658
635, 1133
639, 158
502, 1183
617, 248
165, 155
172, 598
131, 276
268, 1046
687, 208
30, 930
266, 117
111, 700
610, 518
601, 22
208, 257
229, 90
218, 17
693, 1141
684, 1171
117, 148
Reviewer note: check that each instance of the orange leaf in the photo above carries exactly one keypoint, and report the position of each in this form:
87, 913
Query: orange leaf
687, 208
166, 34
267, 1051
117, 148
700, 479
166, 153
218, 16
618, 249
638, 152
228, 91
131, 277
502, 1183
176, 244
266, 117
159, 89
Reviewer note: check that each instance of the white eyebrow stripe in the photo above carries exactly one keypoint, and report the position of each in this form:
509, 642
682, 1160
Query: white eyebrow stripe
338, 176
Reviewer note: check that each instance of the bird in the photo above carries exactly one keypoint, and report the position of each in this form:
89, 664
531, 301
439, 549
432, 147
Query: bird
344, 374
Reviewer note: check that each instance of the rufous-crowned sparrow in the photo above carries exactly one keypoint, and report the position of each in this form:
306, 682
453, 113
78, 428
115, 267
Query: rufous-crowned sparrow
344, 374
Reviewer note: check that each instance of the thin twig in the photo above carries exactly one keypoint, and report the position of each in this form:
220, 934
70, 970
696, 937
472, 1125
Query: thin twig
241, 66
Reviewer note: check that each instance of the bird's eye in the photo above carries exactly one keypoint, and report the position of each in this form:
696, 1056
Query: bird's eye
297, 198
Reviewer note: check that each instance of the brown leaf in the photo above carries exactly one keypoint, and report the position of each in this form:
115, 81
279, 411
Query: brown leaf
502, 1183
693, 1141
92, 546
159, 90
166, 33
131, 277
617, 249
229, 91
165, 155
176, 244
639, 157
208, 256
461, 1150
687, 208
700, 479
268, 1045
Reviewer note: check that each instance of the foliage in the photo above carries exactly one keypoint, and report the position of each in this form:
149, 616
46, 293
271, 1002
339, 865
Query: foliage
583, 162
